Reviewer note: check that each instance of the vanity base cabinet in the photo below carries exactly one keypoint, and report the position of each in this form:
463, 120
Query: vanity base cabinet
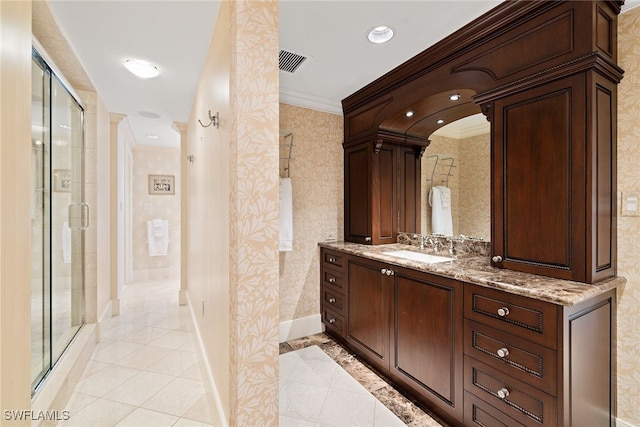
538, 363
473, 355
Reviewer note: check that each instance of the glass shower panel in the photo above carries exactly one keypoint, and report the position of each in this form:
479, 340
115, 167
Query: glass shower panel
67, 219
58, 217
40, 212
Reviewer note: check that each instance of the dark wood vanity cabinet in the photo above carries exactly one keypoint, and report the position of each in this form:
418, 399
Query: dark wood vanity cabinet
407, 325
382, 191
554, 179
533, 363
475, 356
545, 75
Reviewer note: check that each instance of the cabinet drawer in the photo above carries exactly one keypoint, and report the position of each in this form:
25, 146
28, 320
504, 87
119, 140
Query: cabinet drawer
333, 321
332, 259
516, 357
531, 319
333, 280
333, 300
522, 402
477, 412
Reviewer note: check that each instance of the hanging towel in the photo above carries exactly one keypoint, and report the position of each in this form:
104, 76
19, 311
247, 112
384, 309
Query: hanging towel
286, 215
66, 243
440, 202
158, 237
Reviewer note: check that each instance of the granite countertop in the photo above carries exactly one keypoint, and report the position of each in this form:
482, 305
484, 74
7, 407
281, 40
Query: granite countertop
478, 270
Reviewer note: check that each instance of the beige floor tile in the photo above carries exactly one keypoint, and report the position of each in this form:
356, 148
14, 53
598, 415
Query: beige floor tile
176, 398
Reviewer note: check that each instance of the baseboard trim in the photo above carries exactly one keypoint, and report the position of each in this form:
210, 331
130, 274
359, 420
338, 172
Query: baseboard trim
219, 409
298, 328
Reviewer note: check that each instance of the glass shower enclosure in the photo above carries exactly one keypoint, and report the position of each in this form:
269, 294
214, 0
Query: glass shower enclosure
58, 217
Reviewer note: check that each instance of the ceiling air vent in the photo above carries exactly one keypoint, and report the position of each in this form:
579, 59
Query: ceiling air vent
290, 61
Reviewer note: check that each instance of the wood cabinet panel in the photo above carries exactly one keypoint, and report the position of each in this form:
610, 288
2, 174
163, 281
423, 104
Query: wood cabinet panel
477, 412
358, 203
369, 296
538, 193
534, 320
517, 357
427, 333
522, 402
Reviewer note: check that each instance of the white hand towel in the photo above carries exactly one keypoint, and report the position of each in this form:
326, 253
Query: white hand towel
286, 215
158, 237
440, 202
66, 243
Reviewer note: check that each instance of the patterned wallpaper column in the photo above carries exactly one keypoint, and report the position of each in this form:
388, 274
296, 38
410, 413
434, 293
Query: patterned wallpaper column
254, 213
629, 226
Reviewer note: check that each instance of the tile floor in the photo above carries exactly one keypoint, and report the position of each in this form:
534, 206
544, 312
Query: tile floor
315, 391
146, 370
404, 409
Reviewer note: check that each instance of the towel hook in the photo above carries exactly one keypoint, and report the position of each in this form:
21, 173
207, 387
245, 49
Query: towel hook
213, 120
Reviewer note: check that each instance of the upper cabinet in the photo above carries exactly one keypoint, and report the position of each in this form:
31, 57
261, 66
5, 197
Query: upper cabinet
545, 75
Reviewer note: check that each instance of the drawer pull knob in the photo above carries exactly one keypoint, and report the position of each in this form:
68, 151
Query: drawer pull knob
383, 271
496, 259
332, 260
332, 280
503, 352
390, 272
503, 311
332, 300
332, 321
503, 393
367, 239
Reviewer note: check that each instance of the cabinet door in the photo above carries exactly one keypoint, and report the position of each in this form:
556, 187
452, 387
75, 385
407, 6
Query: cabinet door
409, 197
428, 338
369, 296
357, 182
539, 152
370, 171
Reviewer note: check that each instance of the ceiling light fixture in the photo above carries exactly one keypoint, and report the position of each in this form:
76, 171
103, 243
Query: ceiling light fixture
454, 97
380, 34
440, 121
409, 114
152, 136
142, 69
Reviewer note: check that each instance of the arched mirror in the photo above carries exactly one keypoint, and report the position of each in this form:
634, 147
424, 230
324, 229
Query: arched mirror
457, 165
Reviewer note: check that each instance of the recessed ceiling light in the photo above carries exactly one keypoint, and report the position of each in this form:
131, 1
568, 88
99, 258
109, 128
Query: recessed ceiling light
440, 121
151, 136
454, 97
409, 114
142, 69
380, 34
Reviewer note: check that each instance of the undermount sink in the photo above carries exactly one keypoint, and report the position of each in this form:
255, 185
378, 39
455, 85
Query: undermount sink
418, 256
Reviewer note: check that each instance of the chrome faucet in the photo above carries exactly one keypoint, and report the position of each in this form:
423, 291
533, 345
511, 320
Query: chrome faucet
433, 241
452, 249
420, 238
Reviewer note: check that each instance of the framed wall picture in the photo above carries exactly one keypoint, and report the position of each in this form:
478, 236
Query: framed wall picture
62, 180
162, 184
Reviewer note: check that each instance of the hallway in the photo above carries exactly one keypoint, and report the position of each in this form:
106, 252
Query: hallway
146, 370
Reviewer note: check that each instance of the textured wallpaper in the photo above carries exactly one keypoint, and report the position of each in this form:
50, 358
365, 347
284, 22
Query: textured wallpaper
470, 182
254, 190
317, 181
146, 207
629, 227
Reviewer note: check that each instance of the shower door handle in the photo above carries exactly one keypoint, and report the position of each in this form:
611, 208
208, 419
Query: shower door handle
85, 211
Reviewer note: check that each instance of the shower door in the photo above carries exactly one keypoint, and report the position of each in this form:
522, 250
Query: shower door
58, 216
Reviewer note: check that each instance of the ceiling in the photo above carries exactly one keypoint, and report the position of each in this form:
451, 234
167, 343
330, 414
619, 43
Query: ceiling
175, 36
